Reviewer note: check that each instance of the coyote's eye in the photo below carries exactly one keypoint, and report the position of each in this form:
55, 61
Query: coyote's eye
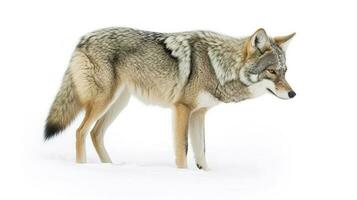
271, 71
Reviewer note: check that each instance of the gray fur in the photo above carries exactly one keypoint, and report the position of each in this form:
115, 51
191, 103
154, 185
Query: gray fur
280, 56
267, 59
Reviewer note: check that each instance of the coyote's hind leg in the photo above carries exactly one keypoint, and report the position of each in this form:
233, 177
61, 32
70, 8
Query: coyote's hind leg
104, 122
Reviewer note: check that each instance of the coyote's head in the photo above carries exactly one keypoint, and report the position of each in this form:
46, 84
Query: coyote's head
265, 67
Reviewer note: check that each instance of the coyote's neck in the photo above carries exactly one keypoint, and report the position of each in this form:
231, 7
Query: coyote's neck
232, 91
227, 57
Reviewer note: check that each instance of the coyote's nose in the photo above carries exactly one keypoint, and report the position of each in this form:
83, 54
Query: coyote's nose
291, 94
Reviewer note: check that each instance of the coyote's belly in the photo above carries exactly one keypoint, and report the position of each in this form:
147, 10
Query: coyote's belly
154, 88
163, 97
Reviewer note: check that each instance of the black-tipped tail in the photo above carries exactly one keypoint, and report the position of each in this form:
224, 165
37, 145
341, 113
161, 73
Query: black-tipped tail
64, 108
52, 130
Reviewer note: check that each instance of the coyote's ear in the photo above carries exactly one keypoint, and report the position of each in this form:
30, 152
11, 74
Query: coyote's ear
283, 41
259, 41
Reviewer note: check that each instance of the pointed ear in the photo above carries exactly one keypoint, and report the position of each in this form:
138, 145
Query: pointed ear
259, 41
283, 41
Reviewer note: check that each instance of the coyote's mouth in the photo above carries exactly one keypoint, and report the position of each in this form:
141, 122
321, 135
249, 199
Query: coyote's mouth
272, 92
277, 94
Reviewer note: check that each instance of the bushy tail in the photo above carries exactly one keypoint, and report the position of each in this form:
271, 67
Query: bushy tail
64, 108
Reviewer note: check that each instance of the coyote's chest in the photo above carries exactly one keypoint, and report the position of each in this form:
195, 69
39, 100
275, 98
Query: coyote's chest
206, 100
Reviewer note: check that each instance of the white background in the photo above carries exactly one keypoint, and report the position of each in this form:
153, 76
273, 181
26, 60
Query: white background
264, 148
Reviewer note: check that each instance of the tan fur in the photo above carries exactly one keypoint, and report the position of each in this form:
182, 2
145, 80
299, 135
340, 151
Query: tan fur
182, 113
102, 124
96, 94
282, 85
93, 111
100, 85
66, 105
282, 39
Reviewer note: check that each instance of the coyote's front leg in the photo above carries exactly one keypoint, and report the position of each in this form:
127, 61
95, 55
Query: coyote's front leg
197, 136
181, 117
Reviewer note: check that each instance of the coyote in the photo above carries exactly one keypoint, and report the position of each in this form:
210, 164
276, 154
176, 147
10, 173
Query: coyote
188, 71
